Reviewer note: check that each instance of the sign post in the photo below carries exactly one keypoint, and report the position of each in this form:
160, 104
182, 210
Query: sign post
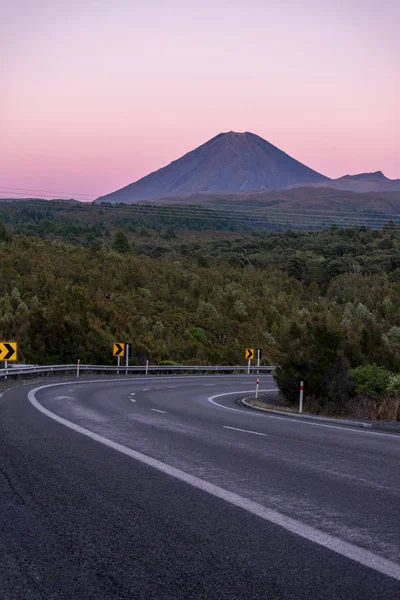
118, 351
8, 351
301, 397
147, 367
259, 356
249, 355
126, 359
77, 368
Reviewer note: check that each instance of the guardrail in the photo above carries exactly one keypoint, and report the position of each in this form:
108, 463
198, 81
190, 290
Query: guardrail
132, 370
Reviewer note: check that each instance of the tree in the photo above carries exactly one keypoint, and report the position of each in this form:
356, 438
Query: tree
4, 233
313, 354
121, 243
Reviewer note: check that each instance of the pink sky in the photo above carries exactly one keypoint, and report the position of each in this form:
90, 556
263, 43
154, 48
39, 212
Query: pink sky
97, 93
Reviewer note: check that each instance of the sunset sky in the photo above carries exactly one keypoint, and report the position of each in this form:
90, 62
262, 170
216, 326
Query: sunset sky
97, 93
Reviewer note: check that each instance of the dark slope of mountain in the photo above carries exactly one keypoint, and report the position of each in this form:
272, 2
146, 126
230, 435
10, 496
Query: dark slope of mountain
230, 162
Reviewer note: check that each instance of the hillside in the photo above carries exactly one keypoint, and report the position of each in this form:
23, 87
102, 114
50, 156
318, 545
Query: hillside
229, 163
364, 182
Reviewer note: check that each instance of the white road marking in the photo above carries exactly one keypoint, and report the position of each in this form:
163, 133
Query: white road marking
244, 430
299, 421
350, 551
132, 399
156, 410
170, 387
145, 389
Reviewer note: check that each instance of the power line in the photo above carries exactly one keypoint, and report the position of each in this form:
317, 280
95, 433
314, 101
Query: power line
253, 214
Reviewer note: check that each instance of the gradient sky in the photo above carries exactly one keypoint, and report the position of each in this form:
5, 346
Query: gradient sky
97, 93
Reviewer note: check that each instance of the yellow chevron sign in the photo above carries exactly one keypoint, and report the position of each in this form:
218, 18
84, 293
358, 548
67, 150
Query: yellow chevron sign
119, 349
249, 353
8, 350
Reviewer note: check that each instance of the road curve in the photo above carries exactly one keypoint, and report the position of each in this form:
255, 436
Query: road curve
165, 487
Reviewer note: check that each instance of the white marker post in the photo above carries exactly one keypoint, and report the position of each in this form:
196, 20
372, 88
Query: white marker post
301, 397
248, 366
118, 364
258, 360
126, 358
6, 367
257, 384
147, 367
77, 368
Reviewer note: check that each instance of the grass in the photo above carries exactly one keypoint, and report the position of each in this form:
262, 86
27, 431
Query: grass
260, 404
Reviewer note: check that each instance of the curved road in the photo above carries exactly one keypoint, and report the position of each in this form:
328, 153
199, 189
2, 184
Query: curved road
166, 488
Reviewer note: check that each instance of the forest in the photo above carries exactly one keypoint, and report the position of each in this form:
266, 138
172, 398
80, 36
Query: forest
323, 305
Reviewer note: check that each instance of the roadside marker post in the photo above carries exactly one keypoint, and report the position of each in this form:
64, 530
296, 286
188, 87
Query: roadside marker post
147, 367
118, 364
257, 384
301, 397
77, 368
6, 367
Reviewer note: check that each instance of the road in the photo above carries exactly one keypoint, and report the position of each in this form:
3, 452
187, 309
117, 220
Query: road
166, 488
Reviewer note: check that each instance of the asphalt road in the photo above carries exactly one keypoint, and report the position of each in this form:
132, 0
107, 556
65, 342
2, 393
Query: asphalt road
166, 488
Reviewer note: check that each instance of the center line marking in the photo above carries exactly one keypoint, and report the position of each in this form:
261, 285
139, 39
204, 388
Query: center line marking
245, 430
145, 389
132, 399
156, 410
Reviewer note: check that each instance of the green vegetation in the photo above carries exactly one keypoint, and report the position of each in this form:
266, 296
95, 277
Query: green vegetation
324, 305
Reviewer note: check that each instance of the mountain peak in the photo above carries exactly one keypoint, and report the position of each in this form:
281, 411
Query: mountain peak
230, 162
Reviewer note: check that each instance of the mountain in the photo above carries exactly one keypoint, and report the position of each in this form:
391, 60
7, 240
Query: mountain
364, 182
229, 163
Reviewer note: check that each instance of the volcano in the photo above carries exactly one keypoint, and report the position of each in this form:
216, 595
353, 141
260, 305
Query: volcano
228, 163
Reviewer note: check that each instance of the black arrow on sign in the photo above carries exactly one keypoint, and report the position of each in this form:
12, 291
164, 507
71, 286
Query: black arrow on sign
10, 353
120, 349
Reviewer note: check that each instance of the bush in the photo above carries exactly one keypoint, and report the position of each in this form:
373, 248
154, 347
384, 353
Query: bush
393, 388
371, 380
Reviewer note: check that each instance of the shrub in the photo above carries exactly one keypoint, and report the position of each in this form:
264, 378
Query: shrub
198, 334
371, 380
393, 388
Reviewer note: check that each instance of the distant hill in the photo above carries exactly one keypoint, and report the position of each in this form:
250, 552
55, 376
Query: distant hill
364, 182
299, 198
228, 163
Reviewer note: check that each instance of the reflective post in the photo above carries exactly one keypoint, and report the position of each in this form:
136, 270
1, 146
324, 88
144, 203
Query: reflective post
301, 397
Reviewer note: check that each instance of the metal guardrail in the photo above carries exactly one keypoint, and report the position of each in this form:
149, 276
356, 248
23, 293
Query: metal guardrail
132, 370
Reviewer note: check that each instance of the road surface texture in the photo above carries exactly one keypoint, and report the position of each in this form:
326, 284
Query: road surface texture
167, 488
